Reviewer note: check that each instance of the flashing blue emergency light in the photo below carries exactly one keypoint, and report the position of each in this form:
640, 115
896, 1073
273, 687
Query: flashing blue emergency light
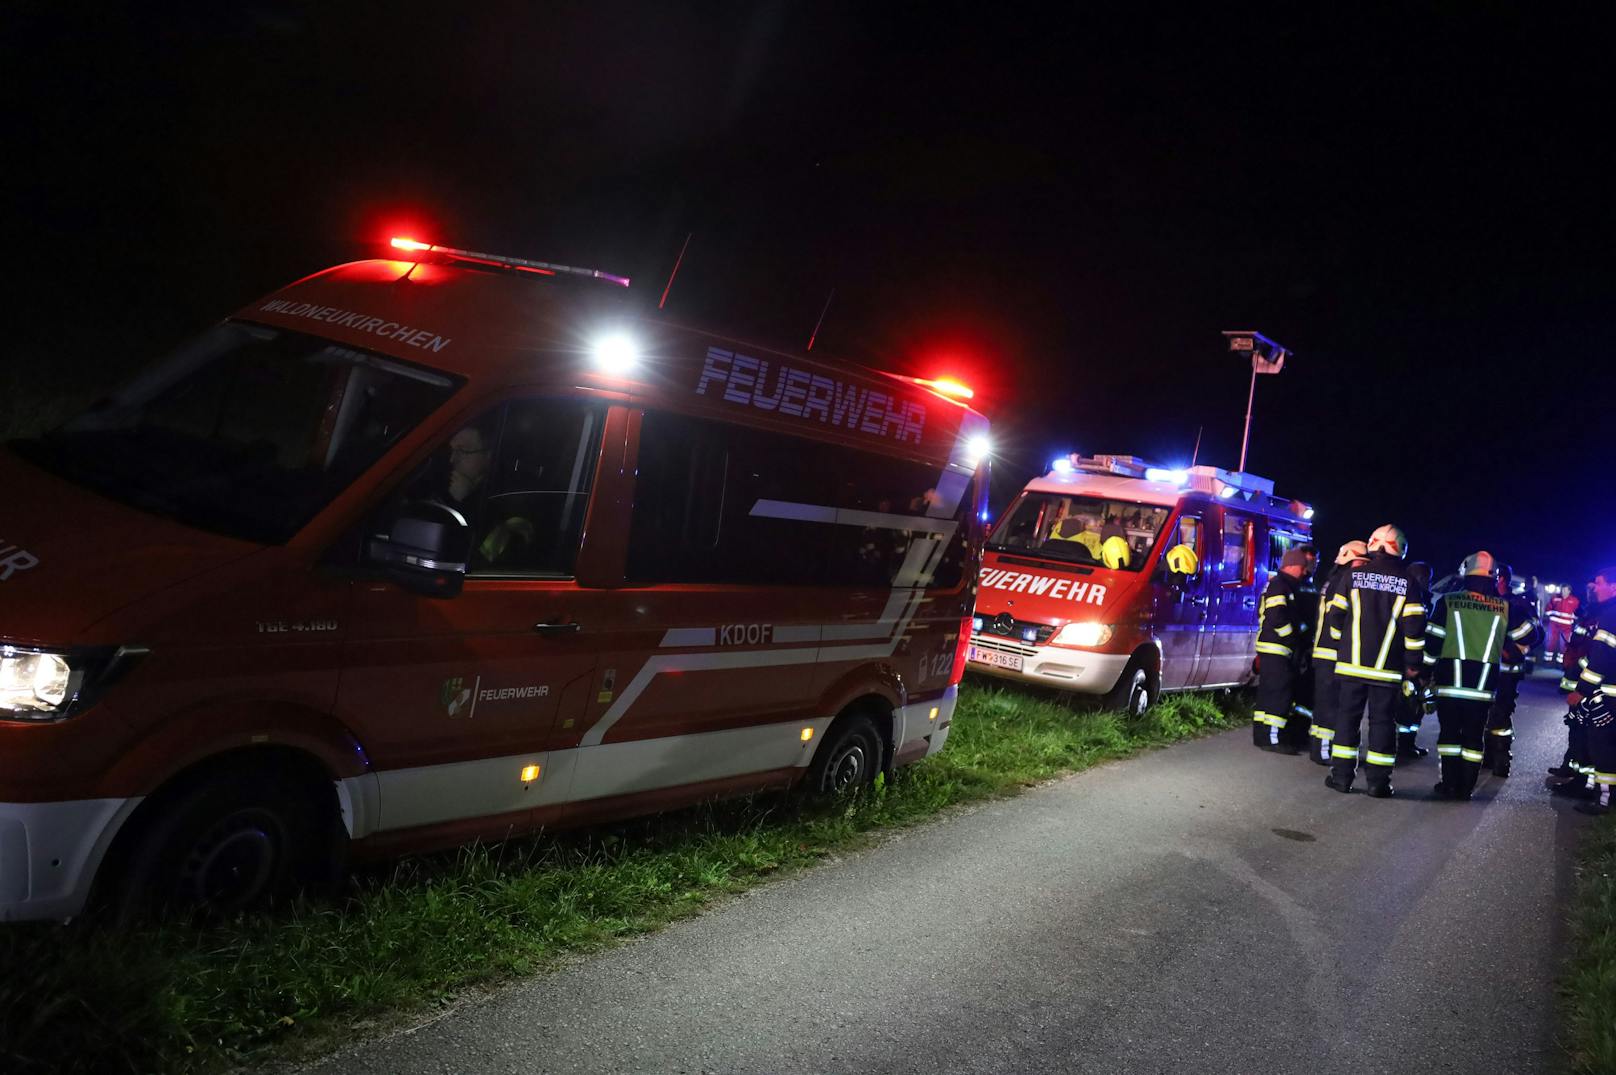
1308, 514
1162, 474
1062, 465
977, 624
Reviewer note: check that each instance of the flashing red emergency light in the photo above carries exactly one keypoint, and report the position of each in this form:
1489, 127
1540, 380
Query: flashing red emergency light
544, 268
949, 387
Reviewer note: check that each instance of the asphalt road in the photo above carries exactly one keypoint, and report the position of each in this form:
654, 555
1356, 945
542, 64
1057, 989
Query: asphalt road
1201, 909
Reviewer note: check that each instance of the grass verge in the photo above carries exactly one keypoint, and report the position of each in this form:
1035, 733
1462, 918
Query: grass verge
286, 984
1588, 987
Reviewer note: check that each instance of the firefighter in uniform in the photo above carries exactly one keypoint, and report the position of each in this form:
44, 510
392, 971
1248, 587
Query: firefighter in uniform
1524, 633
1570, 777
1326, 641
1562, 618
1408, 721
1466, 631
1284, 636
1590, 701
1381, 621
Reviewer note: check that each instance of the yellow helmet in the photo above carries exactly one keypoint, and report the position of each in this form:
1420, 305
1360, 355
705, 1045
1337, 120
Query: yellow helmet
1114, 552
1390, 539
1182, 559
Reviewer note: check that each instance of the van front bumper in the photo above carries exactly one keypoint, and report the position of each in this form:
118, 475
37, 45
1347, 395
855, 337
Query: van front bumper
49, 853
1082, 671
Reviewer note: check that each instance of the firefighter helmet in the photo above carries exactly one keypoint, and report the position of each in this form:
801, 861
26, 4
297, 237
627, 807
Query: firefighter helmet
1352, 550
1182, 559
1478, 563
1114, 552
1390, 539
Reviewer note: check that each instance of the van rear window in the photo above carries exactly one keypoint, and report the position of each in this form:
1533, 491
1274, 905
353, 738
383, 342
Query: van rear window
249, 431
721, 503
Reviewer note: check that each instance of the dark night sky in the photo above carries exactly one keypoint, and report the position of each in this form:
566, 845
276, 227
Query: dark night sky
1065, 209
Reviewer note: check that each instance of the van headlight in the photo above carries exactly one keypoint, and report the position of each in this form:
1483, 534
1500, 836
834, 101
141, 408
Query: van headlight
1083, 634
46, 685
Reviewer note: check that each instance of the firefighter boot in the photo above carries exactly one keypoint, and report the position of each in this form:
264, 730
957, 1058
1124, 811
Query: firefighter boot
1379, 783
1448, 786
1598, 804
1408, 749
1499, 741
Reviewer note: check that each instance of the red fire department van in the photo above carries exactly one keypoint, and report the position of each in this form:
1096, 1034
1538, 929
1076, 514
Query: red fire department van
422, 551
1110, 576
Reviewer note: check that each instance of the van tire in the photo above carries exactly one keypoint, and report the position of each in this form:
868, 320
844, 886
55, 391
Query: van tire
847, 760
1133, 693
234, 842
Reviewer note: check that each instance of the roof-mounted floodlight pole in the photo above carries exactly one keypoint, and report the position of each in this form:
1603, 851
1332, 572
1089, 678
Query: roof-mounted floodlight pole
1266, 357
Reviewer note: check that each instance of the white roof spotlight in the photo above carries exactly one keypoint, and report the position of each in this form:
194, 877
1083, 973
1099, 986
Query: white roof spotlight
977, 448
616, 354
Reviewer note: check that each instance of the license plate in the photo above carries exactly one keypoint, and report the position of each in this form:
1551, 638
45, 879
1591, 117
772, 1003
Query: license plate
1012, 661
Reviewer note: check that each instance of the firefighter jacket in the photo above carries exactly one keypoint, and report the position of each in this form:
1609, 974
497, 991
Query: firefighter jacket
1380, 616
1524, 632
1563, 611
1284, 623
1327, 639
1466, 632
1577, 646
1598, 668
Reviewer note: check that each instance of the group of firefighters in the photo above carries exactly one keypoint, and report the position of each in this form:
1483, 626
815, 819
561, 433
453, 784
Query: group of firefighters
1374, 641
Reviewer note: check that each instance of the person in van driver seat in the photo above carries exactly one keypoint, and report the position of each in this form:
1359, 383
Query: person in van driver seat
470, 458
1078, 528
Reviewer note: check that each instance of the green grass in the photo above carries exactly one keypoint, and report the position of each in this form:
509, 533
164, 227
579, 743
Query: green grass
289, 983
1588, 986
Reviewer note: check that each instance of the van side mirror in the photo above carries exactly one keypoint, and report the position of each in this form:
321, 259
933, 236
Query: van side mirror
425, 549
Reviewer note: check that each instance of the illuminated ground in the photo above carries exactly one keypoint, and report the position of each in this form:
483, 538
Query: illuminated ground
1203, 909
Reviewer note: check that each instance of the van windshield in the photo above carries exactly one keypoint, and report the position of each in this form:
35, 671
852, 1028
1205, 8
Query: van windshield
248, 431
1081, 529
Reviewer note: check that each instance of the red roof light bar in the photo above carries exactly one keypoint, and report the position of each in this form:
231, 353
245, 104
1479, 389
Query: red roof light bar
545, 267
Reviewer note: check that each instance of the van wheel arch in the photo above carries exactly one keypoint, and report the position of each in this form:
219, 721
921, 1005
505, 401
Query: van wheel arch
1139, 686
840, 750
301, 776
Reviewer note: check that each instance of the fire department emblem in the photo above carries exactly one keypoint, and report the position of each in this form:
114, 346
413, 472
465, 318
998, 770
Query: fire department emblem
1004, 624
454, 695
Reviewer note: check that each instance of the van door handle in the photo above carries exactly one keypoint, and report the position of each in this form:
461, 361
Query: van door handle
557, 628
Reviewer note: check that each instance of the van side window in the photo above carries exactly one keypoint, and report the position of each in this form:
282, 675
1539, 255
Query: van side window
1189, 533
520, 474
705, 505
538, 483
720, 503
1236, 546
905, 538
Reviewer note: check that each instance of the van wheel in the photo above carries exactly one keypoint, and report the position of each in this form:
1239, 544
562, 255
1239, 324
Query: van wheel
1132, 692
848, 758
229, 844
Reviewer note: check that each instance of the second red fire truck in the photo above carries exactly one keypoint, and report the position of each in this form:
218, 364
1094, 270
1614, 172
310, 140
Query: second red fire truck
1110, 576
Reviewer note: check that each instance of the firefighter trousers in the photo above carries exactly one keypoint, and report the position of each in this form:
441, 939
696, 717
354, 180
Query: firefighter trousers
1602, 753
1274, 721
1381, 703
1411, 711
1462, 723
1326, 689
1501, 724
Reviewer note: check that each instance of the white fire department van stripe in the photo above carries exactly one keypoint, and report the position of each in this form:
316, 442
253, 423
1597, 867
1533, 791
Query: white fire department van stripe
434, 794
875, 520
690, 636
